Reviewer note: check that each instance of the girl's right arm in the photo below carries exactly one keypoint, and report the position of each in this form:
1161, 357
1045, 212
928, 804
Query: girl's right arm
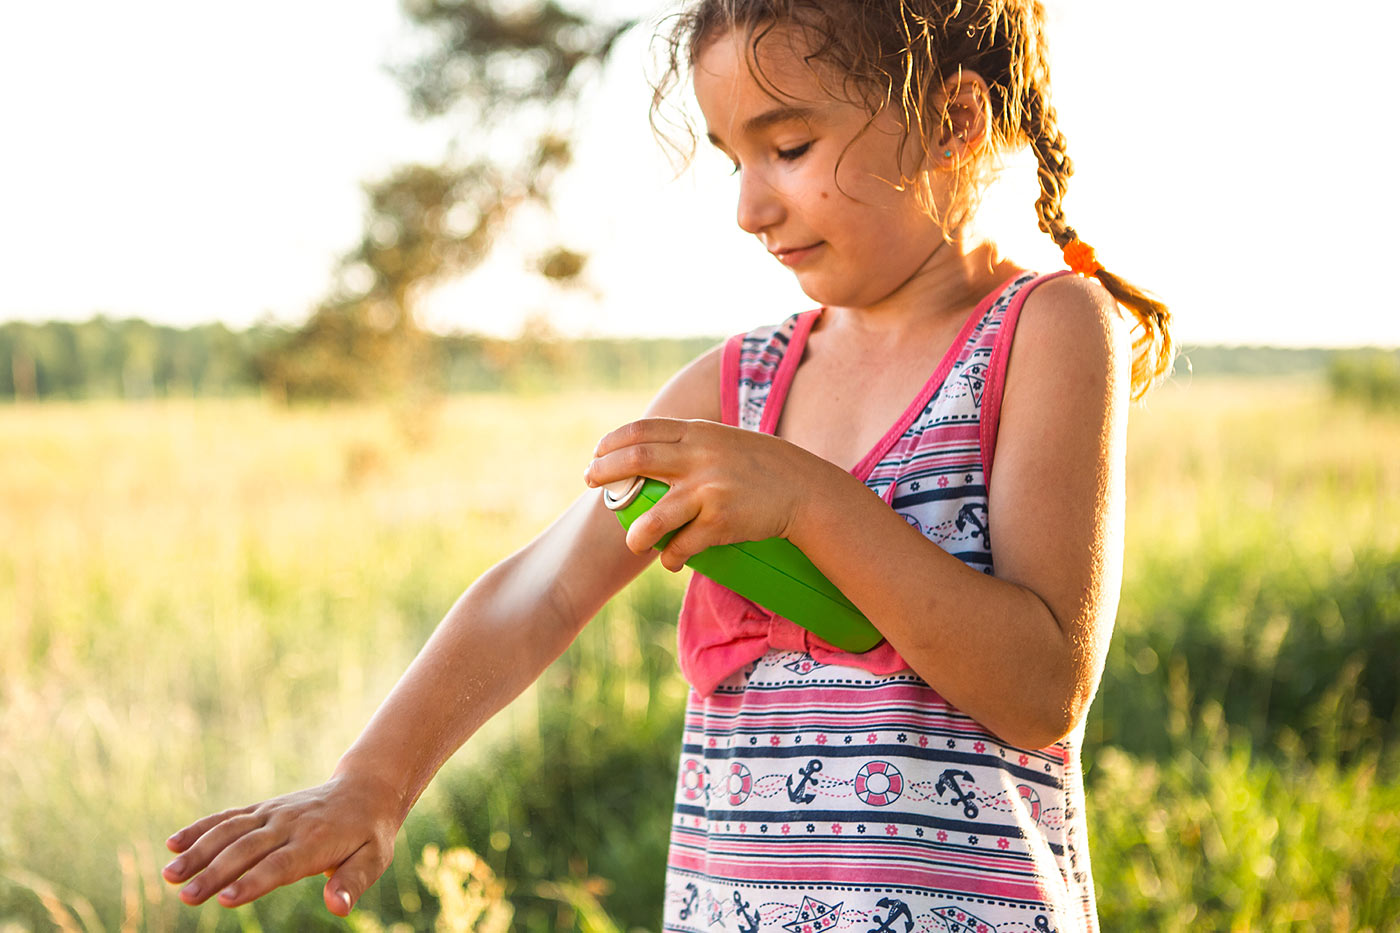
492, 644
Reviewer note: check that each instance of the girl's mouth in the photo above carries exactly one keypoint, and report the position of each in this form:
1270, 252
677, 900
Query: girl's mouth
794, 256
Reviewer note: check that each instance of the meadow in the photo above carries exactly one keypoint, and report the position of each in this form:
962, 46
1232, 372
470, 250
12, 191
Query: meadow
202, 601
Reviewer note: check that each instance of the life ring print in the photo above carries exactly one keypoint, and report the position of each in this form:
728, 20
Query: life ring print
879, 783
693, 779
1032, 800
740, 783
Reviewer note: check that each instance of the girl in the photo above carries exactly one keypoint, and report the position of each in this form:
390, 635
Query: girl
934, 780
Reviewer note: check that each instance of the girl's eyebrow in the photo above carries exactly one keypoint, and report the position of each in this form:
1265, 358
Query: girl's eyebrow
768, 118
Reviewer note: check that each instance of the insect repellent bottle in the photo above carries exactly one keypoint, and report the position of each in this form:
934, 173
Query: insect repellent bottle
772, 573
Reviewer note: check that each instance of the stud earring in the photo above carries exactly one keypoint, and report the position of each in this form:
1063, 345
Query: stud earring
947, 153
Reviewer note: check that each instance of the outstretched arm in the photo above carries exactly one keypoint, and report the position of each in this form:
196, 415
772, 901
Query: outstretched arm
493, 643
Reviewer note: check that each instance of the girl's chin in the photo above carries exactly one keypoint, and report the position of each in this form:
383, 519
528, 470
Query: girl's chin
838, 291
817, 287
829, 294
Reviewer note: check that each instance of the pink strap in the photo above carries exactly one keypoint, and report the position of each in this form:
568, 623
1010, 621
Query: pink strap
782, 379
932, 384
729, 380
996, 376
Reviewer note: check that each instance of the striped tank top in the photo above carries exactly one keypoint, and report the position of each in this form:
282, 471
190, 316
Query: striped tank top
820, 790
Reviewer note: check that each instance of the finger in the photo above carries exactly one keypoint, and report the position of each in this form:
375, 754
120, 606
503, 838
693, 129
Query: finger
693, 537
354, 876
647, 430
285, 864
673, 510
184, 838
658, 460
233, 861
210, 844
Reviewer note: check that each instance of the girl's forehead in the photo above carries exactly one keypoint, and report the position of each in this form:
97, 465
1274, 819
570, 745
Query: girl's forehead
735, 83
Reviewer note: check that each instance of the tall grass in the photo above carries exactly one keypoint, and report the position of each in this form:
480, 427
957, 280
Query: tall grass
202, 602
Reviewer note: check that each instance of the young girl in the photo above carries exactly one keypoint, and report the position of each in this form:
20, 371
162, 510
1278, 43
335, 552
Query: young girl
934, 780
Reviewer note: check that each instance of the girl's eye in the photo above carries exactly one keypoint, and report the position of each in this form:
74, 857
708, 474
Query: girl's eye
787, 155
784, 155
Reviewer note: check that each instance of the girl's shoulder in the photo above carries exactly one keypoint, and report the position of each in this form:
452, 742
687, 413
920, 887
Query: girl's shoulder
1070, 321
1067, 378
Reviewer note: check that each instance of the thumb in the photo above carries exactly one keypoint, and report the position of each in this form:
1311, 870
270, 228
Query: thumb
352, 879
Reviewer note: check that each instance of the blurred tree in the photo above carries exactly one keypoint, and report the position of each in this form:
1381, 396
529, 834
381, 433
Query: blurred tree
508, 74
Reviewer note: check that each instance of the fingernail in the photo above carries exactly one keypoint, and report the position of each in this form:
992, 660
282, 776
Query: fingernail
345, 898
228, 893
191, 889
176, 866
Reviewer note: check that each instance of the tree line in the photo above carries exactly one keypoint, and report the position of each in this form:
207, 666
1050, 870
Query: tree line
134, 359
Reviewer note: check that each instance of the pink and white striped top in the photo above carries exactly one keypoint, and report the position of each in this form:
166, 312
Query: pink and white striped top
932, 466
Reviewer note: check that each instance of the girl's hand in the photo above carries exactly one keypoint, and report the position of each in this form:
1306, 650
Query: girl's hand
341, 828
727, 484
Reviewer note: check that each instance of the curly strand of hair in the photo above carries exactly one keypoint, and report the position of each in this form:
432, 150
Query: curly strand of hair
1153, 348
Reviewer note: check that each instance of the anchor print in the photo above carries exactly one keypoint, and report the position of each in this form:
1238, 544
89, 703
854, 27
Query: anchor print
948, 780
747, 923
808, 775
896, 910
967, 515
692, 897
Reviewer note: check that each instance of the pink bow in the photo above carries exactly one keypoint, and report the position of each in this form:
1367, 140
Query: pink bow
721, 633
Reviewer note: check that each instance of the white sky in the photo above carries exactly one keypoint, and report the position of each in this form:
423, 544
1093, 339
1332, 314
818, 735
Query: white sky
187, 162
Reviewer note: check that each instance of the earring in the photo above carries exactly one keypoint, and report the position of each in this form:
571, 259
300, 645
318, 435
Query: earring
947, 153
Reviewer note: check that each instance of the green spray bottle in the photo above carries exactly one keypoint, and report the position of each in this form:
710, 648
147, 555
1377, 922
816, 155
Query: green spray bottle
772, 573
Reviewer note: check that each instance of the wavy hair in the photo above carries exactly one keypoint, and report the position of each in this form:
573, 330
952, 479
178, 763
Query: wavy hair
900, 54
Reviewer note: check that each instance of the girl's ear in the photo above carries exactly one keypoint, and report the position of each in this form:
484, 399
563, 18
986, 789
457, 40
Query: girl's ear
964, 106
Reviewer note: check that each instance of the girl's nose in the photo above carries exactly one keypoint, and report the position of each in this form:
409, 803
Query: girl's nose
759, 205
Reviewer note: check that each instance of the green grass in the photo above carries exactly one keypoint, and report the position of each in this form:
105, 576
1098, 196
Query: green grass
202, 602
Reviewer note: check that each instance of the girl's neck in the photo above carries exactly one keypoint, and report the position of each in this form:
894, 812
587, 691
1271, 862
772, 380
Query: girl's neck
954, 279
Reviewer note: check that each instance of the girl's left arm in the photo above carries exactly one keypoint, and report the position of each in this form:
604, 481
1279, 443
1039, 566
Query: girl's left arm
1021, 652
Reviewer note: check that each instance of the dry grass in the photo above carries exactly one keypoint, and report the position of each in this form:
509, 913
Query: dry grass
202, 601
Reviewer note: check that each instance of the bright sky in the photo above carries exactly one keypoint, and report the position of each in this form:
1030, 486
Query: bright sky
188, 162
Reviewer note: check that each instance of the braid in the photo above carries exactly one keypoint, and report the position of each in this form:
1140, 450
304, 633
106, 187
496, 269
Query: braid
1153, 347
1054, 166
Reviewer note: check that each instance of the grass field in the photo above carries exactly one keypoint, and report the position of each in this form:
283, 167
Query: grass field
201, 602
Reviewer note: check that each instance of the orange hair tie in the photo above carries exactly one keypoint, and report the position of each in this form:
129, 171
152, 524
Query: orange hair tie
1079, 256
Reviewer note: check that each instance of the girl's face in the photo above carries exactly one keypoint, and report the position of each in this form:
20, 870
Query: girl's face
820, 194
